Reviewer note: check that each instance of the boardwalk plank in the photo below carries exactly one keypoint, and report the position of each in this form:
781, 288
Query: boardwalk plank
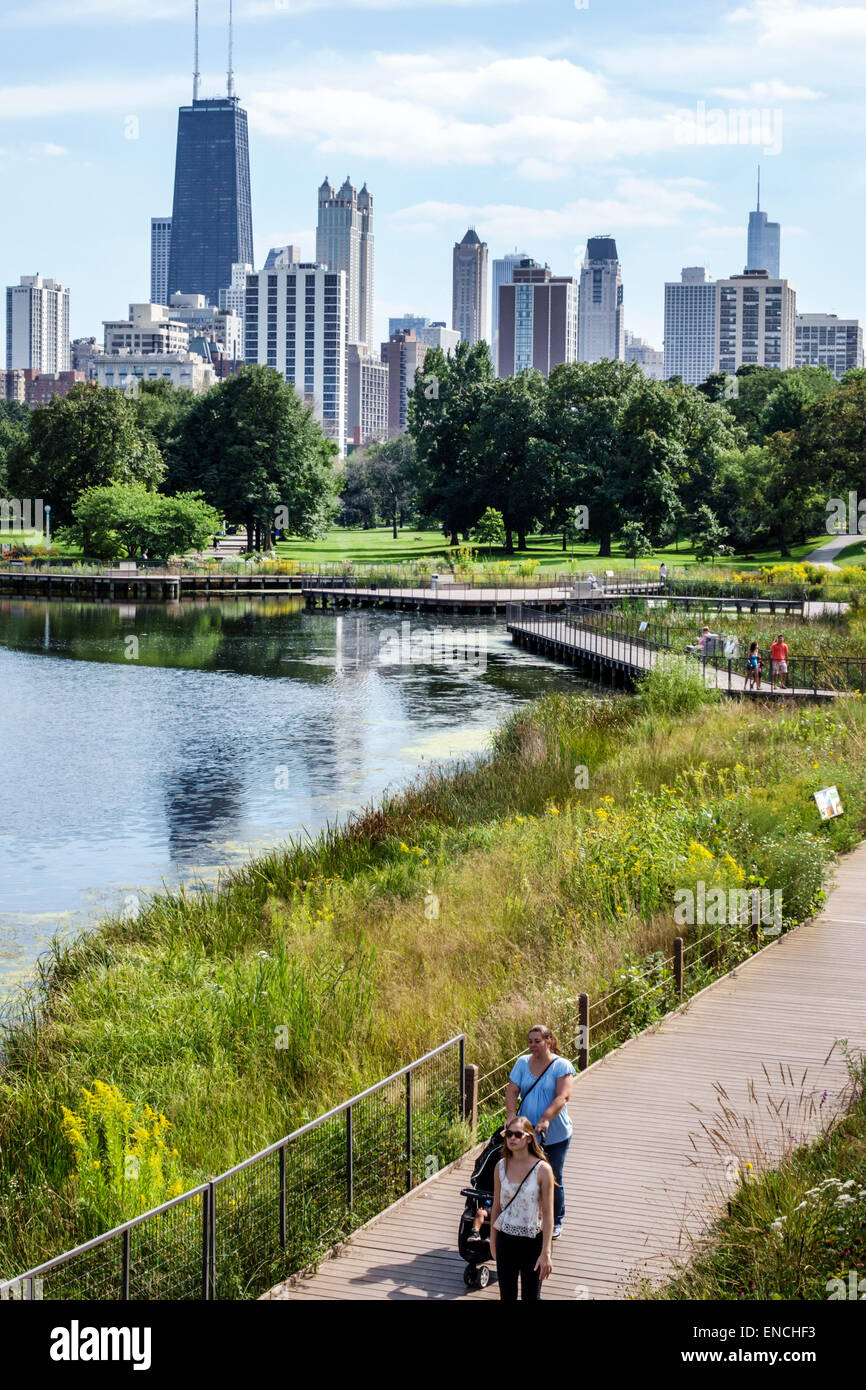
632, 1187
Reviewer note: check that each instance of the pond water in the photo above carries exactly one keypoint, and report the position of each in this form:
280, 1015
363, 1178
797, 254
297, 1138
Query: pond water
150, 744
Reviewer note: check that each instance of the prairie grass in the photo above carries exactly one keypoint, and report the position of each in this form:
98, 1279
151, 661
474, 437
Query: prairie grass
791, 1228
544, 886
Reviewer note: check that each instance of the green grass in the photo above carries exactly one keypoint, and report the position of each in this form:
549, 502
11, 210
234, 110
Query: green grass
791, 1228
543, 890
853, 554
376, 547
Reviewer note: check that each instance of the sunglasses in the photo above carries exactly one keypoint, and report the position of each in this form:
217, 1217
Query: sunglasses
516, 1134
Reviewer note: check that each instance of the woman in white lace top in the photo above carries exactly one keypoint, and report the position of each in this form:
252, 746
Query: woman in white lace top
521, 1219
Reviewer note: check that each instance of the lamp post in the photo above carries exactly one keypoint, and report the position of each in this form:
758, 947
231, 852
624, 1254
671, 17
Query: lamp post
48, 527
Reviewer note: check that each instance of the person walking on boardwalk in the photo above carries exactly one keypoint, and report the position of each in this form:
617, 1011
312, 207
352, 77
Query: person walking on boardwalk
521, 1218
754, 664
779, 662
544, 1080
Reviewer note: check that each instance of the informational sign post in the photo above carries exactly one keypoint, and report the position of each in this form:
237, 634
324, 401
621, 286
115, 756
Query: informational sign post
828, 803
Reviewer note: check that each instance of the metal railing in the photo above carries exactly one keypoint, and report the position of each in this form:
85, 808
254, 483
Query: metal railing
238, 1234
672, 978
622, 640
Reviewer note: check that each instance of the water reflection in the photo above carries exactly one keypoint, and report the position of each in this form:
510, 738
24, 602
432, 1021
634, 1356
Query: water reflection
148, 743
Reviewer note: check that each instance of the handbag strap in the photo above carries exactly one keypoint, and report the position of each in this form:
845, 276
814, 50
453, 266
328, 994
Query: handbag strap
517, 1193
535, 1083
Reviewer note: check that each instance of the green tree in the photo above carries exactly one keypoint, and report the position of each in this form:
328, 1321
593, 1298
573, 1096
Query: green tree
444, 405
161, 408
256, 452
89, 438
490, 529
13, 435
126, 519
383, 475
513, 478
707, 534
635, 541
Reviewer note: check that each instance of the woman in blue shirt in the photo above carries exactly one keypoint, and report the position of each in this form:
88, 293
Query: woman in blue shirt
546, 1105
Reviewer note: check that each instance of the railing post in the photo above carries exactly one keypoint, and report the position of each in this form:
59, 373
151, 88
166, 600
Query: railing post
126, 1245
283, 1221
408, 1131
205, 1243
470, 1097
350, 1159
678, 966
583, 1032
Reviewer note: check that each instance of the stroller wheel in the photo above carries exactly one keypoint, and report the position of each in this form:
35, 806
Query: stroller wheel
484, 1277
470, 1276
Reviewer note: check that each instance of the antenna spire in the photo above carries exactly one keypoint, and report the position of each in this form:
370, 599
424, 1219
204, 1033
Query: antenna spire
196, 77
231, 82
759, 188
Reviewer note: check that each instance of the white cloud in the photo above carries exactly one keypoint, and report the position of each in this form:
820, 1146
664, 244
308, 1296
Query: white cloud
634, 203
52, 151
763, 93
69, 98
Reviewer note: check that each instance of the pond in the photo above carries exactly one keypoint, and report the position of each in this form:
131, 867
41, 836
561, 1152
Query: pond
148, 744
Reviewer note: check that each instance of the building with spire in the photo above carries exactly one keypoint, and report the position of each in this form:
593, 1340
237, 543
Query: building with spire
211, 222
600, 327
344, 241
762, 250
469, 293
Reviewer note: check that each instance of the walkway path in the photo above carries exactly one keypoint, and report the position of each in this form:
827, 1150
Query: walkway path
826, 554
631, 1179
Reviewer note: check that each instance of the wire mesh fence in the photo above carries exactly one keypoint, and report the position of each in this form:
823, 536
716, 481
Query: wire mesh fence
239, 1234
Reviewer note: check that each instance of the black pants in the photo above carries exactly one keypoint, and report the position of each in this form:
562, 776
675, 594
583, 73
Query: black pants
517, 1255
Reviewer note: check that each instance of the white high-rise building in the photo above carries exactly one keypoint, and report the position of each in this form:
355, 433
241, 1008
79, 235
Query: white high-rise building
149, 328
234, 297
690, 326
295, 321
754, 322
344, 242
206, 321
823, 340
160, 249
37, 325
650, 360
503, 274
600, 328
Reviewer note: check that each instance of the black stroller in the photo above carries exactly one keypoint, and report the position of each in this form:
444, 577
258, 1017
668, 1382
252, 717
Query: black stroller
476, 1252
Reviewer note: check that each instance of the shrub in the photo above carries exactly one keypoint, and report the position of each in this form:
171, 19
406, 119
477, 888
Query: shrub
674, 686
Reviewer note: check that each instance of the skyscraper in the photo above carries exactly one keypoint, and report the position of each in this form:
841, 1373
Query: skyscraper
537, 320
503, 274
600, 323
211, 223
690, 326
823, 340
469, 296
344, 241
37, 325
754, 321
762, 251
160, 250
404, 356
295, 321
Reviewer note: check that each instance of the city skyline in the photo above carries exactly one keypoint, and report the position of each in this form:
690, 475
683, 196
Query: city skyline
512, 168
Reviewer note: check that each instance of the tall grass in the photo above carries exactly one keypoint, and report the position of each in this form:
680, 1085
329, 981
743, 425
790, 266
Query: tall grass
545, 886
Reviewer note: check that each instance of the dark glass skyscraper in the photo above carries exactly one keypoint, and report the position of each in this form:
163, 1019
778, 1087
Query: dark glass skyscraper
211, 224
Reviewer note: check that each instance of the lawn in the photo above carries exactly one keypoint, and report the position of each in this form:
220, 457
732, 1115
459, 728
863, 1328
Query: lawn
377, 546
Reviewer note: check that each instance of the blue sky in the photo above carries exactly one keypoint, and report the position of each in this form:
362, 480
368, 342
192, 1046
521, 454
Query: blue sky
540, 122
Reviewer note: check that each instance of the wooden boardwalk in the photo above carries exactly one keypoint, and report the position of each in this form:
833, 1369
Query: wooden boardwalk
631, 1180
564, 640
